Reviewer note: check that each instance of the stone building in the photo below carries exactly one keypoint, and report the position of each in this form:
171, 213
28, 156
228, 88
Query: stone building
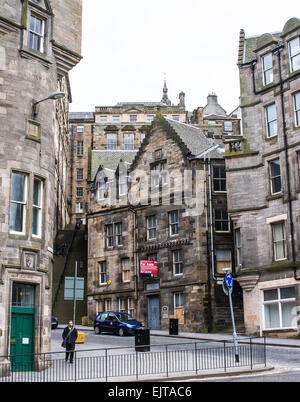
110, 128
263, 180
214, 121
156, 208
40, 41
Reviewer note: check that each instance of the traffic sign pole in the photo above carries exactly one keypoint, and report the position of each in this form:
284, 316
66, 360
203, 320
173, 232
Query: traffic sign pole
229, 284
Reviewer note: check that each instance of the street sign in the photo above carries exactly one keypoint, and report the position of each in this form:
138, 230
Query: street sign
229, 281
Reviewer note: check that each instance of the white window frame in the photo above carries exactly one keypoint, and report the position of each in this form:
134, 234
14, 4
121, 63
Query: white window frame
38, 207
111, 141
272, 178
297, 110
116, 119
177, 263
265, 70
24, 202
36, 34
222, 259
150, 118
103, 119
270, 121
174, 222
129, 141
282, 240
109, 235
125, 262
80, 129
118, 228
101, 190
280, 302
130, 307
79, 192
238, 246
180, 299
122, 185
79, 208
292, 56
227, 126
79, 174
151, 227
79, 148
133, 118
103, 275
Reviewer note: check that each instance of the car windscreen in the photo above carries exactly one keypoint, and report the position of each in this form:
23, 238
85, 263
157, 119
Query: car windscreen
124, 317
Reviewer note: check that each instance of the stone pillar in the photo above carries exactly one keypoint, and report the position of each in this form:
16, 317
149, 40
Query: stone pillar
251, 303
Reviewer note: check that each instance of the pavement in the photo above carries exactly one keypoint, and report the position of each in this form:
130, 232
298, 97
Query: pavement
285, 342
215, 337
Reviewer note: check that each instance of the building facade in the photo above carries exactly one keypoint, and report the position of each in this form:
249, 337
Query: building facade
263, 181
37, 50
119, 128
155, 208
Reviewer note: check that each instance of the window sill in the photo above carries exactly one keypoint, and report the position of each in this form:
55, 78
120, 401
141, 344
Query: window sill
33, 55
274, 196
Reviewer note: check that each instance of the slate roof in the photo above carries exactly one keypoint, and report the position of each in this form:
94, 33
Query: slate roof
251, 44
109, 160
193, 138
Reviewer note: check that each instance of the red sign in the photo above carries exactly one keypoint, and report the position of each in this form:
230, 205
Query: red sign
148, 267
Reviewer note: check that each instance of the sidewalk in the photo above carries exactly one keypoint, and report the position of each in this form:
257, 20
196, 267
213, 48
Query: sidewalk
286, 342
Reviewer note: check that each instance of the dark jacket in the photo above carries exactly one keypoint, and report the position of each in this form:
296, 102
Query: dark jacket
73, 336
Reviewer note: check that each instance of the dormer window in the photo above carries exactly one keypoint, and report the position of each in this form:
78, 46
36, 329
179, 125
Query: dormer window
294, 54
36, 33
267, 67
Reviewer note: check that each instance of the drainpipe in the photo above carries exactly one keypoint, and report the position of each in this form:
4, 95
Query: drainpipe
277, 52
211, 221
209, 307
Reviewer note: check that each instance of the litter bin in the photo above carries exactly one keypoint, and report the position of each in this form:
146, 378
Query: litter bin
142, 340
173, 326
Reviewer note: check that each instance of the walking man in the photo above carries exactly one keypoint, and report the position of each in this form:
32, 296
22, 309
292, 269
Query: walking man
69, 337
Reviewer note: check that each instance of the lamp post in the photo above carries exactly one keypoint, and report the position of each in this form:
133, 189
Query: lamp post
53, 96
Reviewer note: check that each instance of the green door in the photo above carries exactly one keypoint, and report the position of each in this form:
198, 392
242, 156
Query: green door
22, 339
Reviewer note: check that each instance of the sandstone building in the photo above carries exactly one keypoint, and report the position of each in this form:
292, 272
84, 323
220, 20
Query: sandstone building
263, 180
142, 210
110, 130
40, 41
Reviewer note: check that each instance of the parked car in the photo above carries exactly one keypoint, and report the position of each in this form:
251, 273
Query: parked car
54, 322
116, 322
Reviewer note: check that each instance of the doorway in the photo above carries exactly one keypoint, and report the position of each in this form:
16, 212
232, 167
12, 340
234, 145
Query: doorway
22, 327
153, 312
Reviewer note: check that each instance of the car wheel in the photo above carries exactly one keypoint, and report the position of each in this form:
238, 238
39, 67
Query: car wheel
121, 331
97, 330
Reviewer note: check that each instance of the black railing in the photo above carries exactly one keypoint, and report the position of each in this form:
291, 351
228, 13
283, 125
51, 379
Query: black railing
117, 363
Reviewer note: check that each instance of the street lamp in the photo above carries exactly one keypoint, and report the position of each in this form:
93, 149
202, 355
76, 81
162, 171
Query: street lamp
53, 96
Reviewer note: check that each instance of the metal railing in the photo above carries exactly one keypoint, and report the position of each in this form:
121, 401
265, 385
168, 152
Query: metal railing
116, 363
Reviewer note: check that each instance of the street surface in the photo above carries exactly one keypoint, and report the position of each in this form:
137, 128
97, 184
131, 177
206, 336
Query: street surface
285, 360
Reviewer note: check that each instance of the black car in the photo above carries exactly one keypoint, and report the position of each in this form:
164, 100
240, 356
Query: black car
116, 322
54, 322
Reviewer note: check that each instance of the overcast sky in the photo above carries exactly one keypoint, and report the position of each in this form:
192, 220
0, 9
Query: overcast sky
128, 45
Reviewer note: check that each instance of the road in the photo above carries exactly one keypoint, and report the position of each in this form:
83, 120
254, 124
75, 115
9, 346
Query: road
286, 361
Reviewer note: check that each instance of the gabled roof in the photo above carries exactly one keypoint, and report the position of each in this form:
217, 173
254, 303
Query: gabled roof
190, 139
193, 138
